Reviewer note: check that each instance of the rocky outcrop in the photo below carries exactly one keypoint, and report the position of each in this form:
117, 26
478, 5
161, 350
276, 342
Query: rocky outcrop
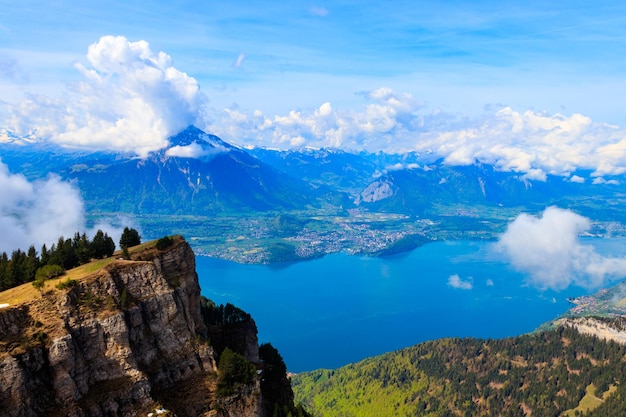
123, 341
603, 328
376, 191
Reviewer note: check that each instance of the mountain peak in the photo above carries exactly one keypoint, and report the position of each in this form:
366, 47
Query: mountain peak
192, 134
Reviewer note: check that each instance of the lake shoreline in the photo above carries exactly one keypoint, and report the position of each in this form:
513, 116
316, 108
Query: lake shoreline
341, 308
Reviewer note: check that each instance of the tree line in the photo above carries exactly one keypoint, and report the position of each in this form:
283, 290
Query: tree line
22, 266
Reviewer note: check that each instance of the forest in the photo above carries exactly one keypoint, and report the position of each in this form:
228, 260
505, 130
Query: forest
25, 266
550, 373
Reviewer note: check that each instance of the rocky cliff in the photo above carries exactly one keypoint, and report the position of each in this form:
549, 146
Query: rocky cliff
123, 341
603, 328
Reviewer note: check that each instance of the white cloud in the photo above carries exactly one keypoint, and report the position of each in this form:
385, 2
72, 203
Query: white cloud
600, 180
455, 281
577, 179
489, 282
37, 212
549, 250
386, 121
34, 213
239, 61
400, 166
532, 143
194, 150
130, 99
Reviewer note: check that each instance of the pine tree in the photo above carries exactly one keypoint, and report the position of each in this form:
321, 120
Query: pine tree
130, 237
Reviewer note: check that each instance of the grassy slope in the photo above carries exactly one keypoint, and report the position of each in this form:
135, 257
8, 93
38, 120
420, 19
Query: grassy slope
26, 292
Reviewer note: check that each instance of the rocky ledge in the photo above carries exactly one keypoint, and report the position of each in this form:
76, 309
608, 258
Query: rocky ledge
127, 340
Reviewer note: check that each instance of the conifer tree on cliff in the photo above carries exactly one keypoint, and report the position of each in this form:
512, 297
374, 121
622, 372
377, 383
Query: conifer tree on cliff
102, 245
130, 237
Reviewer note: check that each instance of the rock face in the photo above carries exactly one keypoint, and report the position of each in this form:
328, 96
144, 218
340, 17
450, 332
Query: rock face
613, 329
376, 191
121, 342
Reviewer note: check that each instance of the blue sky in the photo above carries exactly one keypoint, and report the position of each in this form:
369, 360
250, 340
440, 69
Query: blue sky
327, 52
531, 86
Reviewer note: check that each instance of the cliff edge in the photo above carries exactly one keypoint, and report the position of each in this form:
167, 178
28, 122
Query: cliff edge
125, 340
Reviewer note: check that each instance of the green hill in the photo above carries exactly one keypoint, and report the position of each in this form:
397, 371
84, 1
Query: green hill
551, 373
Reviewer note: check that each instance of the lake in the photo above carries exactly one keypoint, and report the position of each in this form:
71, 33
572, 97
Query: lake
339, 309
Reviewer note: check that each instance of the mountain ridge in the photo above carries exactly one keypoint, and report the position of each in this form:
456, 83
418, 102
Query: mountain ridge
223, 189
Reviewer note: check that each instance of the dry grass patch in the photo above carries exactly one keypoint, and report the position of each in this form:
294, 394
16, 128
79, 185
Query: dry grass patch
26, 292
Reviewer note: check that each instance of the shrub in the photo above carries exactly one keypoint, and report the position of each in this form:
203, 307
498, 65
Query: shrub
68, 283
49, 272
164, 242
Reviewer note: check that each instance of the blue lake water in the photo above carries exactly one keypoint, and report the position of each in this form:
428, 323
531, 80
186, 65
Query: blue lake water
339, 309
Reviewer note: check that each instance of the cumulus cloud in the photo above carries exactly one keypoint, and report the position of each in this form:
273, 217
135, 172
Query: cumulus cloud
130, 99
384, 123
549, 250
535, 144
455, 281
34, 213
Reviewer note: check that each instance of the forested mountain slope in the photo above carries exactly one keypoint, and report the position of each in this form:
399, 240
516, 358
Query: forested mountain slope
551, 373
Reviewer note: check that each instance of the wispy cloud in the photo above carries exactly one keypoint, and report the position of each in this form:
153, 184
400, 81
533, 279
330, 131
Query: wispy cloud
319, 11
549, 250
10, 69
34, 213
239, 61
37, 213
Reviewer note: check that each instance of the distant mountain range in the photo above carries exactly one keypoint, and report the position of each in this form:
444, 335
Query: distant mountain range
196, 174
200, 174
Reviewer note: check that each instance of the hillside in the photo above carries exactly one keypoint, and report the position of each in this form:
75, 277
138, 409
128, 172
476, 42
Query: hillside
127, 337
552, 373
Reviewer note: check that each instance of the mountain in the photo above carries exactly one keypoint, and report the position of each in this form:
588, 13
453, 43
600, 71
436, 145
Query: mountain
129, 337
419, 185
426, 190
569, 366
196, 174
199, 173
559, 372
231, 200
342, 170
